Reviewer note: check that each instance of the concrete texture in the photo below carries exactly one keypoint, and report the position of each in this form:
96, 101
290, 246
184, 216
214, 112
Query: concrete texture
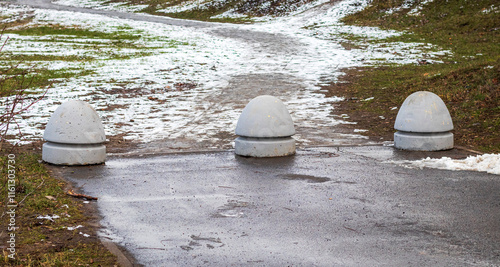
423, 112
265, 127
265, 116
264, 147
63, 154
422, 141
75, 136
75, 122
322, 207
423, 123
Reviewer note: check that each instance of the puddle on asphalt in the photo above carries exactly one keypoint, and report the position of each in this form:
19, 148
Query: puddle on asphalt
232, 209
302, 177
199, 241
312, 179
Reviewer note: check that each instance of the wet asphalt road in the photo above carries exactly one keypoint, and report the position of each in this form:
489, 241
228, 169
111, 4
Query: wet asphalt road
322, 207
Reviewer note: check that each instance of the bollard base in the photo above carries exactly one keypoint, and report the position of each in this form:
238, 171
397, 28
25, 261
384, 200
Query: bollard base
70, 154
423, 141
264, 147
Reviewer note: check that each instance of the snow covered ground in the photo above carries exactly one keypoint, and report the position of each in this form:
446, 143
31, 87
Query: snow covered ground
163, 85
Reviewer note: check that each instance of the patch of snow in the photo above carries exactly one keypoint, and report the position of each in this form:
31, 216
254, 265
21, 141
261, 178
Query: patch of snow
71, 228
84, 235
48, 217
492, 8
184, 6
12, 13
231, 14
97, 4
407, 4
416, 11
489, 163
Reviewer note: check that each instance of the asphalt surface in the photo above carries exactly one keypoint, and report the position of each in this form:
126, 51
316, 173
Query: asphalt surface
325, 206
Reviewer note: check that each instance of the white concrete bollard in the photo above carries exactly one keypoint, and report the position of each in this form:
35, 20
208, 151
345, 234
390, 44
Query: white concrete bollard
423, 123
74, 136
265, 128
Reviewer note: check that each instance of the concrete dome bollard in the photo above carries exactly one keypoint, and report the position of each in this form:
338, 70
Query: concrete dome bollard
74, 136
423, 123
265, 128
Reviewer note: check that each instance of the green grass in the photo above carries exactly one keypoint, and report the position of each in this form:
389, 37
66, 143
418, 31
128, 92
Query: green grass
100, 46
75, 33
43, 242
459, 25
43, 57
467, 81
21, 78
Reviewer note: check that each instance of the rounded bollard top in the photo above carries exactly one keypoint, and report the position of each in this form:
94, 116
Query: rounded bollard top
423, 112
75, 122
265, 116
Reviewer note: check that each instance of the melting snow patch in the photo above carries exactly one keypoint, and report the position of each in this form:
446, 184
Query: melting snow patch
489, 163
416, 11
48, 217
98, 4
85, 235
11, 13
492, 8
73, 228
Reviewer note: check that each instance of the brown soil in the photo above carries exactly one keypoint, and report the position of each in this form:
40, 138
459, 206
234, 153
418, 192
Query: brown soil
379, 118
379, 128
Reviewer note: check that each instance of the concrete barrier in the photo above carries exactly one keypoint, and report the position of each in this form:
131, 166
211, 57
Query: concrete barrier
265, 128
74, 135
423, 123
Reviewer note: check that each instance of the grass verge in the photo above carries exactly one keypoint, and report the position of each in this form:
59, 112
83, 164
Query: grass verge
467, 81
40, 216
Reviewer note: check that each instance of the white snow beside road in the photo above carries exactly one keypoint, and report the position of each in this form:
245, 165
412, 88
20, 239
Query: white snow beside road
489, 163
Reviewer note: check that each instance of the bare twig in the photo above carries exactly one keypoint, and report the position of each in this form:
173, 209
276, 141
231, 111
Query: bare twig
16, 101
73, 194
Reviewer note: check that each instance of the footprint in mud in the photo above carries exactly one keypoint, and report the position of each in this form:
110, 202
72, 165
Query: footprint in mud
199, 241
